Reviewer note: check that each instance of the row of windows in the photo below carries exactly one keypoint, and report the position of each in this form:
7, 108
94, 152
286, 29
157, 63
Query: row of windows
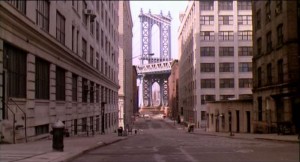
211, 97
15, 63
226, 83
226, 51
225, 35
226, 20
226, 67
208, 5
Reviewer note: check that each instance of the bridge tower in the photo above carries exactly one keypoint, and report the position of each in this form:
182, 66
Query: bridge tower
153, 69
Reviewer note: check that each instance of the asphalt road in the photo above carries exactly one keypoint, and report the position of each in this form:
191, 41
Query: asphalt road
158, 141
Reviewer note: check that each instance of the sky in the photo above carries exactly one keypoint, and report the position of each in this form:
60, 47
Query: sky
175, 7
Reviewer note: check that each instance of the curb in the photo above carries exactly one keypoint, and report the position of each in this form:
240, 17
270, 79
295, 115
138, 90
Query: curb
72, 157
278, 140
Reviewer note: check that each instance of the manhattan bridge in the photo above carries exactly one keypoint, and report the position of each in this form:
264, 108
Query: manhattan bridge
154, 69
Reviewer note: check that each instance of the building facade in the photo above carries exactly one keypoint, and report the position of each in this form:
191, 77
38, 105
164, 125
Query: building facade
215, 55
125, 64
58, 62
173, 91
230, 116
135, 91
275, 65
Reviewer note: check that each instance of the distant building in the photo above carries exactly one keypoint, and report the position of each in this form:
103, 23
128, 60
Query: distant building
173, 91
125, 64
215, 55
58, 62
230, 116
275, 64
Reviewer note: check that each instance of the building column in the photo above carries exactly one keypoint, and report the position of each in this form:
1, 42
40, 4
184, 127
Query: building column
52, 97
287, 109
69, 108
1, 80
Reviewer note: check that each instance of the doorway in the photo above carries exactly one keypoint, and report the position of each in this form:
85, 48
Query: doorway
237, 121
248, 121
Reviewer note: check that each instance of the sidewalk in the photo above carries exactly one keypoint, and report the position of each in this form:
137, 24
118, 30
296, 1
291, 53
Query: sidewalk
272, 137
41, 151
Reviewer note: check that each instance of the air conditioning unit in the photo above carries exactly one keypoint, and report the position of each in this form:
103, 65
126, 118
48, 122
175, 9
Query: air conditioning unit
277, 10
89, 12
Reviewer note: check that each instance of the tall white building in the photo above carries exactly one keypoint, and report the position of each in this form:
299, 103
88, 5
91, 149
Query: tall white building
58, 62
215, 55
125, 65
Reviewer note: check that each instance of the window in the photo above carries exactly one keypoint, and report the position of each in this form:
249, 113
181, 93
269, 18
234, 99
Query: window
226, 20
279, 35
245, 35
207, 51
269, 74
269, 42
92, 28
101, 69
207, 35
259, 77
41, 129
226, 67
97, 60
226, 51
205, 98
225, 5
97, 30
84, 90
15, 62
245, 20
84, 48
92, 92
245, 66
91, 55
77, 42
74, 87
244, 5
60, 84
245, 51
207, 67
84, 124
105, 69
226, 97
102, 39
258, 20
268, 12
226, 83
207, 83
19, 4
60, 28
278, 8
280, 71
84, 16
42, 15
91, 123
73, 34
226, 35
207, 5
97, 93
259, 46
41, 79
206, 20
245, 83
259, 105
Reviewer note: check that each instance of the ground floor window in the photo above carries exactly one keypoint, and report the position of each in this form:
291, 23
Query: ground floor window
41, 129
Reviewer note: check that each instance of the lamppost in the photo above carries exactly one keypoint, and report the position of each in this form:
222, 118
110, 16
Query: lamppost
102, 117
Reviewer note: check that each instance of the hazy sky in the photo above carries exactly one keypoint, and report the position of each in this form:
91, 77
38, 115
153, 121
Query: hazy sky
175, 7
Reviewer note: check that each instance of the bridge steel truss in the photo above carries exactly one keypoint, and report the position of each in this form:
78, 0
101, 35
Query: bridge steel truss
155, 69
